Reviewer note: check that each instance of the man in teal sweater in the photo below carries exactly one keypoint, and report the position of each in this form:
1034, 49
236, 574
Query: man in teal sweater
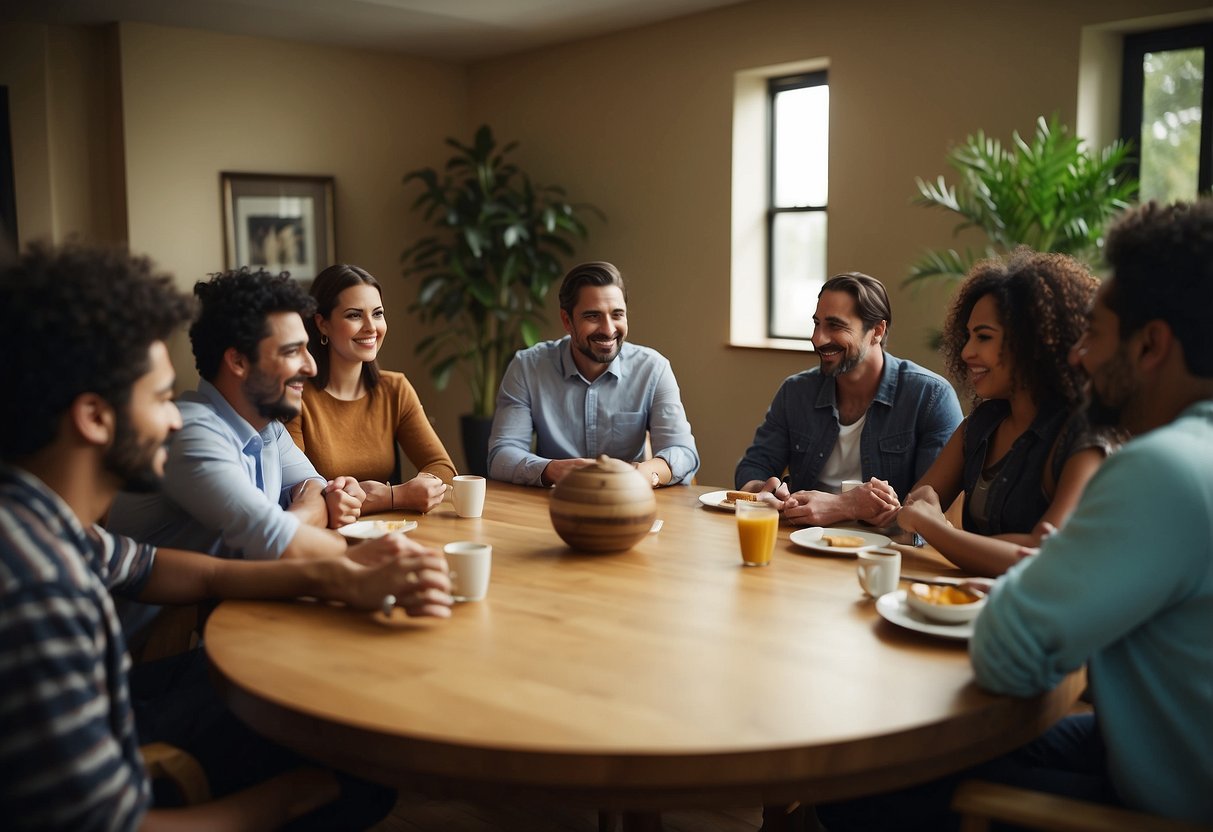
1127, 586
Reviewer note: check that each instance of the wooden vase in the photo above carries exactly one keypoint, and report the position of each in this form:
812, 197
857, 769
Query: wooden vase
604, 507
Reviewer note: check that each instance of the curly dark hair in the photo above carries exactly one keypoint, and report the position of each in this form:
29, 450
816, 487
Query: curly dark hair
235, 305
78, 319
325, 288
1043, 301
1162, 266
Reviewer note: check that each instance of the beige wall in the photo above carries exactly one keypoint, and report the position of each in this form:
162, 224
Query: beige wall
640, 123
122, 131
196, 104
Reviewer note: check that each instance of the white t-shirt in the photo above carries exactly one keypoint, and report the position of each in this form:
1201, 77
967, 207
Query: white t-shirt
844, 462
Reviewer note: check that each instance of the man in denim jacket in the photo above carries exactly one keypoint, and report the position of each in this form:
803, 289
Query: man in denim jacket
862, 415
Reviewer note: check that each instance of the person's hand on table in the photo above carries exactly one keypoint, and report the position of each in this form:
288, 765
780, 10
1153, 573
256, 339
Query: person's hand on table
414, 576
923, 493
878, 503
913, 516
873, 502
558, 469
774, 486
423, 493
343, 496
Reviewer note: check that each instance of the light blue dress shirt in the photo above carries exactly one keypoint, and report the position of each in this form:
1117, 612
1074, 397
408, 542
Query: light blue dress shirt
544, 394
1126, 588
226, 486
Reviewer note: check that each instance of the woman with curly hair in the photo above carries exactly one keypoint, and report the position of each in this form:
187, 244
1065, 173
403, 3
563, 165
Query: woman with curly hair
1024, 454
353, 413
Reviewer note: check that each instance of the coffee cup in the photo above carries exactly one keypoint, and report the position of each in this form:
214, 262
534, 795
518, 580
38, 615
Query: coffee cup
469, 564
469, 495
879, 570
848, 485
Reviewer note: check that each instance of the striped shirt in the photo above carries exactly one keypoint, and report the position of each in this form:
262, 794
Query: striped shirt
69, 753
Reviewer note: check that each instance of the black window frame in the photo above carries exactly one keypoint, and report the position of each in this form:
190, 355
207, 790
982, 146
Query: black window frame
1133, 86
785, 83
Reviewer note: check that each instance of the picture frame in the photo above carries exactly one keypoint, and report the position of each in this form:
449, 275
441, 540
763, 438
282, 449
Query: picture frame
279, 223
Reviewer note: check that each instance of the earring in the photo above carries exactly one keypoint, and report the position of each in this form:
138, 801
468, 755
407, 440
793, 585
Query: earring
324, 340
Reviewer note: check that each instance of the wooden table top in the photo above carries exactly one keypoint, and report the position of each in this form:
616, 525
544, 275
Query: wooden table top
665, 675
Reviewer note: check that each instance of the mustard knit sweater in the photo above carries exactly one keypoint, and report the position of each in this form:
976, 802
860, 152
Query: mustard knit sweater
357, 438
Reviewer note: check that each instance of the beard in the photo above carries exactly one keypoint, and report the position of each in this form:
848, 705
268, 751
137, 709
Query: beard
848, 362
1105, 408
133, 460
269, 398
585, 349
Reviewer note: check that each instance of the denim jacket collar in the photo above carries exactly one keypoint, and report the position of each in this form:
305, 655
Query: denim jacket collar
886, 391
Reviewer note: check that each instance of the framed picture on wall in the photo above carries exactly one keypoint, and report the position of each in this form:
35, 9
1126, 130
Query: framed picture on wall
278, 223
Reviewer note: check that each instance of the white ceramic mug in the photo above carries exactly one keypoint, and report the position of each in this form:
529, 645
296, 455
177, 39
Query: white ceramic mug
879, 570
470, 564
469, 495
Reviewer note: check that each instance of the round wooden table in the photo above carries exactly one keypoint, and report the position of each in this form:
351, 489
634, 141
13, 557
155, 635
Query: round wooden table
663, 677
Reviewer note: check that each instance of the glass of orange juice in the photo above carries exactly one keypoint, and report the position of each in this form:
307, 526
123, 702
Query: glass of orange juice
757, 528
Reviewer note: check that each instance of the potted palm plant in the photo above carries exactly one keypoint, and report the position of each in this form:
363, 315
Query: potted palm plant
485, 272
1050, 193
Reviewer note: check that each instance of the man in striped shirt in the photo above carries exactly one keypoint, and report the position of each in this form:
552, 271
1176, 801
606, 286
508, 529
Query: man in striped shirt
86, 411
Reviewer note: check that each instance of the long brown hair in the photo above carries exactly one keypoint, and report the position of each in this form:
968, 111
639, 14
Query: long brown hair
325, 289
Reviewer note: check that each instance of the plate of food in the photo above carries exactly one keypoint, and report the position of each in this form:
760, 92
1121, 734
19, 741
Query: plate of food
370, 529
894, 609
726, 500
837, 541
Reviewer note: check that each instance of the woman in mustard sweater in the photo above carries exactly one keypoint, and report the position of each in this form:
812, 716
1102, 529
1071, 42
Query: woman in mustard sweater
354, 413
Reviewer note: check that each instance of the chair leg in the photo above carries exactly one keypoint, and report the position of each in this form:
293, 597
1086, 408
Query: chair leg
785, 818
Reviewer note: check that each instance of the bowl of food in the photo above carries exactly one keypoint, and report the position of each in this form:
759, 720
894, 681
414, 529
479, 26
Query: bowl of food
945, 604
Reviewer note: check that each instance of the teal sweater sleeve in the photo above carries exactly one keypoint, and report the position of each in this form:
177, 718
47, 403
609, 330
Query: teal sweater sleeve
1126, 588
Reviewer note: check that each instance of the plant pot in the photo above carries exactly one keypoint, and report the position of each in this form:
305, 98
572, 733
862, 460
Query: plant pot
475, 431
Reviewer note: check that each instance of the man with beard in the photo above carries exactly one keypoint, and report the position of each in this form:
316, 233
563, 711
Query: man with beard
863, 414
235, 485
590, 393
88, 411
1126, 588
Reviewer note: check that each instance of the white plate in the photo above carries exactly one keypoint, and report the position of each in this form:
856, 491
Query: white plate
893, 608
810, 538
368, 529
713, 499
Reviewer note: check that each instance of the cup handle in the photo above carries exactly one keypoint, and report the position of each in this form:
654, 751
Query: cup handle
862, 575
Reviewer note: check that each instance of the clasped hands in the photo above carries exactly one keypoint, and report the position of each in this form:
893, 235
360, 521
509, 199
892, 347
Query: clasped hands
335, 504
874, 502
413, 576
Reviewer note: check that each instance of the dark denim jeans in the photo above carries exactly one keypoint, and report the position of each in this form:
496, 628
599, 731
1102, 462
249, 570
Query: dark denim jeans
1068, 760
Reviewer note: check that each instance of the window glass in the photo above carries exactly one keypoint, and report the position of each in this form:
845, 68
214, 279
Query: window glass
796, 227
798, 246
1172, 87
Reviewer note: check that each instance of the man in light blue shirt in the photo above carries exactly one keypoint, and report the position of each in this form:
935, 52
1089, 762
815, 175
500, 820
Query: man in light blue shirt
235, 485
1126, 588
590, 393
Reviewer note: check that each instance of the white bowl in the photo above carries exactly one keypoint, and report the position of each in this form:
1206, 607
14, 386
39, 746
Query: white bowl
918, 598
